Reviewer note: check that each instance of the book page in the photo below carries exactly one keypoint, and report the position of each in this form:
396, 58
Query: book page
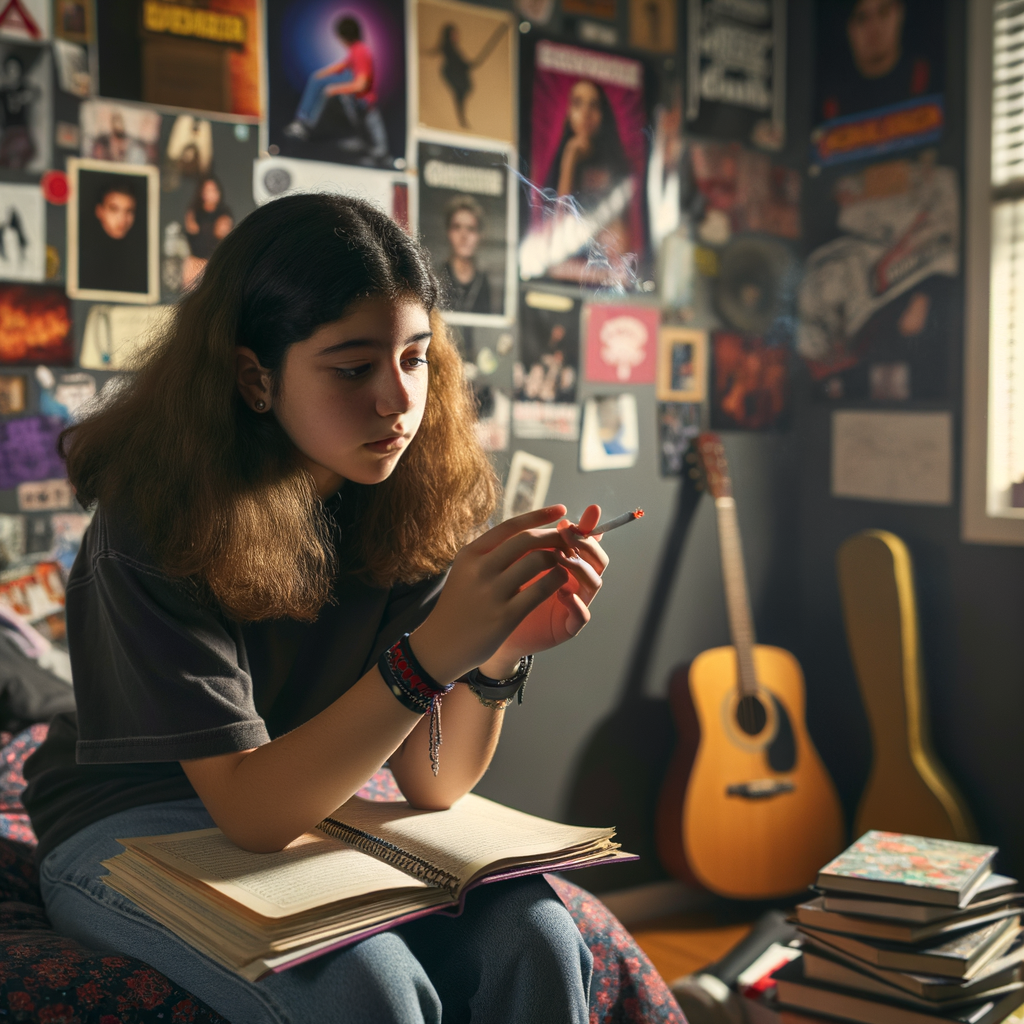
312, 871
471, 835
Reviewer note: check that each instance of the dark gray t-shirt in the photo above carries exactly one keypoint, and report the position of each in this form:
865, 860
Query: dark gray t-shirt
161, 676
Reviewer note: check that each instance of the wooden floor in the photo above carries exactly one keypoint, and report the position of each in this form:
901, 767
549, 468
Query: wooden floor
685, 943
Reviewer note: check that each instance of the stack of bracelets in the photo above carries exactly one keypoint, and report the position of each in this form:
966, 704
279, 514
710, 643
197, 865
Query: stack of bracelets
420, 692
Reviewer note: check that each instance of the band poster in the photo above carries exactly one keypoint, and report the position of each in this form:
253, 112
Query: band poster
586, 152
467, 222
736, 70
336, 81
465, 69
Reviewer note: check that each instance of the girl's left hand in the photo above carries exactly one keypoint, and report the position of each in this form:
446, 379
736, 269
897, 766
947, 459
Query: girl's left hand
567, 611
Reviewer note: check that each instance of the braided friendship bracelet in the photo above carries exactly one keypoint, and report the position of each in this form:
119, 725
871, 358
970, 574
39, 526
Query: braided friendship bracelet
415, 689
499, 693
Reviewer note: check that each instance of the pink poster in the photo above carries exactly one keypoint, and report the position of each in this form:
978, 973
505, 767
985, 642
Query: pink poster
587, 159
622, 344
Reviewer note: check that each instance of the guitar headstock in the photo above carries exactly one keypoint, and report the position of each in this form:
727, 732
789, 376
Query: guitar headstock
711, 465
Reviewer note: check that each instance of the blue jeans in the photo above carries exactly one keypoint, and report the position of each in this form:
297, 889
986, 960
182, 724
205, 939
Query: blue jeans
314, 96
514, 955
365, 118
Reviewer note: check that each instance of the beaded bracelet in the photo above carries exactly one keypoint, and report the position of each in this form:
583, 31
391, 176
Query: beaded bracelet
499, 693
416, 689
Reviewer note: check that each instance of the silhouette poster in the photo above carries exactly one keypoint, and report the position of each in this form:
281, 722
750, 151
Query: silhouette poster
337, 82
465, 69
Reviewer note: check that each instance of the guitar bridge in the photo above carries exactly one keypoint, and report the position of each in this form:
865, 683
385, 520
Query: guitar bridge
759, 789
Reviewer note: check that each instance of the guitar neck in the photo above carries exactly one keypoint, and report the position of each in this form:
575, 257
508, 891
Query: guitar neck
737, 598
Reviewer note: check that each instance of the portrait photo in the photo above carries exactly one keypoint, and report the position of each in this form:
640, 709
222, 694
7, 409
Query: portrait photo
117, 132
610, 437
682, 364
336, 81
467, 222
72, 20
113, 232
465, 69
22, 233
527, 484
585, 146
26, 102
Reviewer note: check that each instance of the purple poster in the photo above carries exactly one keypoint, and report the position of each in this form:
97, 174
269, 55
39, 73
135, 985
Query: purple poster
28, 450
587, 160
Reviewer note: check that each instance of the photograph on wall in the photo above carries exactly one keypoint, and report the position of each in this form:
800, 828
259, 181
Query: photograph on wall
115, 336
113, 232
465, 60
203, 55
207, 189
72, 64
610, 435
622, 343
880, 78
72, 20
336, 81
682, 364
527, 485
878, 292
35, 325
13, 391
123, 134
22, 233
652, 25
545, 374
584, 143
392, 191
64, 394
466, 221
750, 383
736, 71
678, 425
26, 107
25, 19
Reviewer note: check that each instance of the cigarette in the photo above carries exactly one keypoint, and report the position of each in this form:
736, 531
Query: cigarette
613, 524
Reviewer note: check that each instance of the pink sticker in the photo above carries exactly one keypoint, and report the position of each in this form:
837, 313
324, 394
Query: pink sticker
622, 344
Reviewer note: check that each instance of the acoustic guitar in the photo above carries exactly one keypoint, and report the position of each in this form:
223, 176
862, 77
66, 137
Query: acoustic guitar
748, 809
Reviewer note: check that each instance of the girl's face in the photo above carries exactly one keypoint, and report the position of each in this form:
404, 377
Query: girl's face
351, 397
584, 109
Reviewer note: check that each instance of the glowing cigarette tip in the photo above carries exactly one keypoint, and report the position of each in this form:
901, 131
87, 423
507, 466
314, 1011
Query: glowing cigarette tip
614, 524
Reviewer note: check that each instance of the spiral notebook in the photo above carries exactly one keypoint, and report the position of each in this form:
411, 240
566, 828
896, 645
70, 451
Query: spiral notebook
366, 868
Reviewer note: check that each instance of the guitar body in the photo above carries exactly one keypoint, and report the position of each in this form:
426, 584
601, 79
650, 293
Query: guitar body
760, 814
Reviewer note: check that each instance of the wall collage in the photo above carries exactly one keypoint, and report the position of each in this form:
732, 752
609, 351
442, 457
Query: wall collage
601, 205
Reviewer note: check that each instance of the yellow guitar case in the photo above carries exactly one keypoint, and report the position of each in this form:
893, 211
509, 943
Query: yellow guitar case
908, 790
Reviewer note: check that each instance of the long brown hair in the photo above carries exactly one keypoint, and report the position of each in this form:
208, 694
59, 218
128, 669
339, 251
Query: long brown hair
215, 489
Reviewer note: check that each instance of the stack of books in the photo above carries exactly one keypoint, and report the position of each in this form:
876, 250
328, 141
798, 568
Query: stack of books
908, 930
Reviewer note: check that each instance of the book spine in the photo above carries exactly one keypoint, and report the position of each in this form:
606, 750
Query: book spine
418, 867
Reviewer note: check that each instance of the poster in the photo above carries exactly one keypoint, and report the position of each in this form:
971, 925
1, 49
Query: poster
465, 61
527, 486
610, 435
750, 383
26, 107
678, 425
25, 19
585, 118
22, 233
546, 373
879, 292
736, 70
35, 325
203, 55
123, 134
652, 25
467, 222
336, 80
682, 364
28, 450
206, 184
880, 78
622, 343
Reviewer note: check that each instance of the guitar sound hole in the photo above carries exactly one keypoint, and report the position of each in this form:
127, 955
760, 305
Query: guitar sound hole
751, 715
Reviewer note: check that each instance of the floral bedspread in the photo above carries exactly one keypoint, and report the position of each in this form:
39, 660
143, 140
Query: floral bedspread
50, 979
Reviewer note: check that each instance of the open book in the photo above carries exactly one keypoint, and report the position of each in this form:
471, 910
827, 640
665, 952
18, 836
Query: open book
366, 868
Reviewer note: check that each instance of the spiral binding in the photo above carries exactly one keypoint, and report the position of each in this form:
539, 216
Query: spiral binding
419, 868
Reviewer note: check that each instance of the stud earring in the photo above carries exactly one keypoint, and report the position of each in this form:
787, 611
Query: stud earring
260, 405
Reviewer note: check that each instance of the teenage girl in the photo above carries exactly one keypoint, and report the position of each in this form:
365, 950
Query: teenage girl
280, 488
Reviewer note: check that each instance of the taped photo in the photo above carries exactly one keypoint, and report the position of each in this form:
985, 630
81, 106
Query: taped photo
610, 438
26, 107
682, 364
467, 222
117, 132
22, 232
527, 485
113, 232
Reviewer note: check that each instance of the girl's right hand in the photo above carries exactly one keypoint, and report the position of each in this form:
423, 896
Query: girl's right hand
486, 595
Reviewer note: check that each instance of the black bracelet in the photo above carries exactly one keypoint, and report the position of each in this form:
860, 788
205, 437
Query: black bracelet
499, 693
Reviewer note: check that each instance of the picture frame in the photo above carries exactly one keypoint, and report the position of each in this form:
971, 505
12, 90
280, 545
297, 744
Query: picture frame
527, 487
109, 234
682, 364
